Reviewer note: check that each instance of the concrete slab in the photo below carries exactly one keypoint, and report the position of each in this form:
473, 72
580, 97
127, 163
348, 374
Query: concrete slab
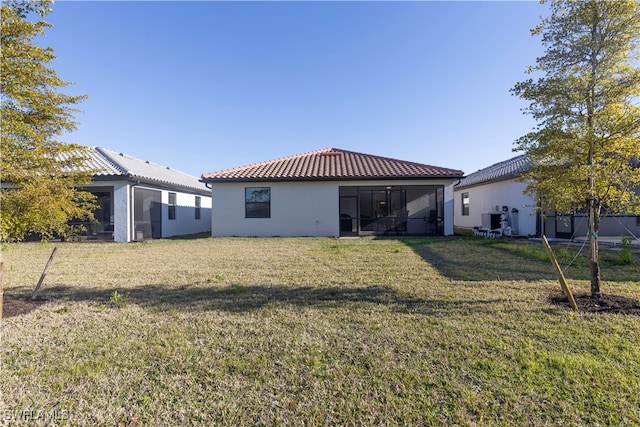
602, 240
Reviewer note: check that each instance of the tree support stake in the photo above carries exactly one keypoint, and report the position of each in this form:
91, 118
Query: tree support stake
44, 274
561, 278
1, 288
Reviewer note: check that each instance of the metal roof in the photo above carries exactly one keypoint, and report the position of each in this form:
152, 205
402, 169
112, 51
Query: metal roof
498, 172
106, 163
331, 164
151, 172
94, 161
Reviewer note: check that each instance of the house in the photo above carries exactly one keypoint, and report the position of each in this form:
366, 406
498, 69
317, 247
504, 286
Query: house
485, 197
496, 193
140, 200
333, 192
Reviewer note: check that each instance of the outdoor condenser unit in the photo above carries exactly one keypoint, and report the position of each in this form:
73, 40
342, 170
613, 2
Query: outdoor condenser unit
490, 220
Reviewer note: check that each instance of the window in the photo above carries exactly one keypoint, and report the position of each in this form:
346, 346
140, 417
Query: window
257, 202
172, 205
465, 203
198, 205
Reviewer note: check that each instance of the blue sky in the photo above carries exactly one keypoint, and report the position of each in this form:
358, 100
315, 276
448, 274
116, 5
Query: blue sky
204, 86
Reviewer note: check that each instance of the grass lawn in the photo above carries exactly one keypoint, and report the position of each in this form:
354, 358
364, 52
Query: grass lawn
313, 331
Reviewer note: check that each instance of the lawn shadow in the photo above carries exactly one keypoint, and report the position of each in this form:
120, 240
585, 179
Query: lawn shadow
239, 299
473, 261
478, 259
197, 236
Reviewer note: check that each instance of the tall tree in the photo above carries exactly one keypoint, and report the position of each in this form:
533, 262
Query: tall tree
586, 145
41, 176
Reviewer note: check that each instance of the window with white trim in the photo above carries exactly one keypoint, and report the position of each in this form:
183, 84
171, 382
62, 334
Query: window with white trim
465, 204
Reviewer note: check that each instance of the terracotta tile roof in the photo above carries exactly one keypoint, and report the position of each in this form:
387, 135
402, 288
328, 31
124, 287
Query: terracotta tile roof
330, 164
498, 172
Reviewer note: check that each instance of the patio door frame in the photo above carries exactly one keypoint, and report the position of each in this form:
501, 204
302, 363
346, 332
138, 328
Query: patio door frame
363, 210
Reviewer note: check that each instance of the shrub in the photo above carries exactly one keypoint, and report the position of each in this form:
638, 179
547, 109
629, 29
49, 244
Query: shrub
625, 256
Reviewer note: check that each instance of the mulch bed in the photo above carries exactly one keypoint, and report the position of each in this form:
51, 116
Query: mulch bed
16, 306
604, 304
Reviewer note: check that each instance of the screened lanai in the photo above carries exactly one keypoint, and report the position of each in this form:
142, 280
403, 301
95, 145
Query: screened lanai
391, 210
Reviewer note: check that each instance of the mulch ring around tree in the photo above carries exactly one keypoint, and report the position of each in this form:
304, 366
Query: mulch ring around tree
18, 306
605, 304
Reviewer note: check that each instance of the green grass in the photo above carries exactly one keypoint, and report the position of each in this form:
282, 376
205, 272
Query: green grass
316, 332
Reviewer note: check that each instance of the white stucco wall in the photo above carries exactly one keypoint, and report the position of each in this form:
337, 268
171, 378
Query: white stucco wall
185, 222
121, 212
448, 210
484, 198
298, 208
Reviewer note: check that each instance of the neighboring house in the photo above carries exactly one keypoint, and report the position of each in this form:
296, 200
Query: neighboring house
140, 200
485, 197
333, 192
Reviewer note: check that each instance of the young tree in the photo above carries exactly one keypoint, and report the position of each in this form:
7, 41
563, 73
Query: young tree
41, 177
586, 145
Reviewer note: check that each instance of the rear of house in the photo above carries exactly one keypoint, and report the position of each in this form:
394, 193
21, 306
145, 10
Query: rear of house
333, 192
493, 198
141, 200
495, 194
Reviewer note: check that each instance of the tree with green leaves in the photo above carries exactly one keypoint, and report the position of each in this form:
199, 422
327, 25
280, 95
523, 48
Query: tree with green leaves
42, 177
586, 146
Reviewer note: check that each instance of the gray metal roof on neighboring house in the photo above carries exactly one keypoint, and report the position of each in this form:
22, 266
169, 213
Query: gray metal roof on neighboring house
147, 171
102, 165
106, 164
507, 169
93, 161
331, 164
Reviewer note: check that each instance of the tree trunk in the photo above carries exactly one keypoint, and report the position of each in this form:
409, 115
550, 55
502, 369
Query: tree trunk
594, 225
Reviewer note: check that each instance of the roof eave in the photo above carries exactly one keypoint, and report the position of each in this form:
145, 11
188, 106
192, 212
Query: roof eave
488, 181
170, 186
156, 183
330, 178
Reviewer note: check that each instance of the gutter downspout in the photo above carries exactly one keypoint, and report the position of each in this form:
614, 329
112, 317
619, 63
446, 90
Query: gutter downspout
209, 185
454, 204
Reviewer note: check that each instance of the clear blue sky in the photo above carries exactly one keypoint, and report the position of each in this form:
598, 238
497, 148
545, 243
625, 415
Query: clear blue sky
204, 86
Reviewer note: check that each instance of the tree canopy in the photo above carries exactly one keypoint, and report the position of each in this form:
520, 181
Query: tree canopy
586, 146
42, 177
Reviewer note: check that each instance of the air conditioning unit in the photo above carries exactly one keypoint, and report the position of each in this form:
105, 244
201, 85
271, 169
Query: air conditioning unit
490, 220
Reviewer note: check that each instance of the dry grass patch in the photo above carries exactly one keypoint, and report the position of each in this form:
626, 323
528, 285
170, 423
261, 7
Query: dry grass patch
313, 332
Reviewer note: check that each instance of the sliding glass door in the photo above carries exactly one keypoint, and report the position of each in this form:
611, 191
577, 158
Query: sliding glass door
393, 209
382, 211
